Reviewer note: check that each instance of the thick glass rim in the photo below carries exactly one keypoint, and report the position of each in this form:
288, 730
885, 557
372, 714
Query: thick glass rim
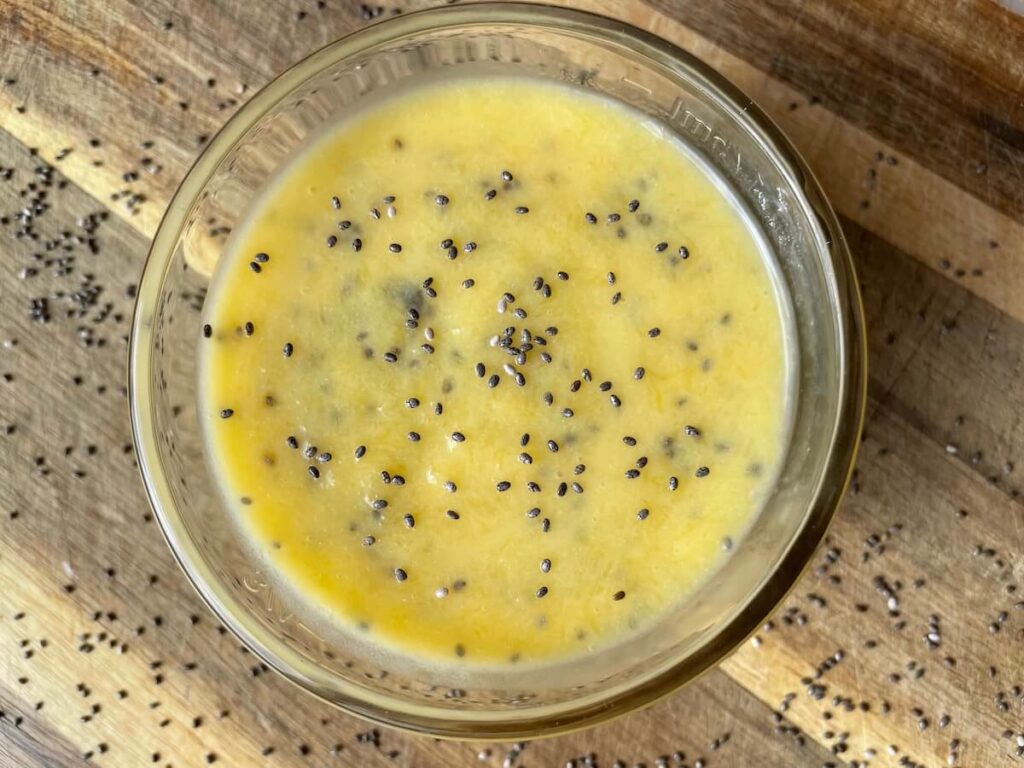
852, 354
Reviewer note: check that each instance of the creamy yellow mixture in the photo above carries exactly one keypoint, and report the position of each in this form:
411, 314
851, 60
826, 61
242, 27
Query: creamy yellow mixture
494, 372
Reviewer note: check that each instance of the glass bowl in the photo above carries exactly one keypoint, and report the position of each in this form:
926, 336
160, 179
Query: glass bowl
589, 52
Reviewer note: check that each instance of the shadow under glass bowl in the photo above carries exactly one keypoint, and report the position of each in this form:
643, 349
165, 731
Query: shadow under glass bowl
731, 135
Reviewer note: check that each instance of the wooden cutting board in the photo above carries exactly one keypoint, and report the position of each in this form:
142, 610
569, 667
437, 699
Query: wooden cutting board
912, 115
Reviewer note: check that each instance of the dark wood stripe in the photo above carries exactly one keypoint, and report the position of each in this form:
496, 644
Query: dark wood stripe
934, 82
947, 362
31, 742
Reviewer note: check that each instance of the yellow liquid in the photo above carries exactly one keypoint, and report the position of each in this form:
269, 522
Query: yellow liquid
695, 342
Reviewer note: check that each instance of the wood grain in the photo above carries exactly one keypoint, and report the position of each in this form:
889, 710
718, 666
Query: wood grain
933, 82
911, 115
